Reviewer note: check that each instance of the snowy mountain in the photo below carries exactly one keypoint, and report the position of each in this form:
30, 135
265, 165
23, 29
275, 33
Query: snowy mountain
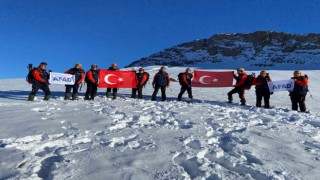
126, 138
255, 51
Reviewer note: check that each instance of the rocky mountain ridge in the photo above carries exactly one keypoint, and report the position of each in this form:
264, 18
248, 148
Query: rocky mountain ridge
258, 50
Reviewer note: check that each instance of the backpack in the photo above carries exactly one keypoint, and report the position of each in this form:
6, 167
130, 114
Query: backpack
148, 75
29, 77
249, 80
180, 78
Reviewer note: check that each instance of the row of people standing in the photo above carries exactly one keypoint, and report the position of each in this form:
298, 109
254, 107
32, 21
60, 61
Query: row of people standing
297, 95
39, 78
161, 81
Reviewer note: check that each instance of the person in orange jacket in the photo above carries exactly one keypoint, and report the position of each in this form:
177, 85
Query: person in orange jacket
185, 82
299, 92
239, 87
142, 78
78, 72
39, 80
92, 77
262, 89
161, 81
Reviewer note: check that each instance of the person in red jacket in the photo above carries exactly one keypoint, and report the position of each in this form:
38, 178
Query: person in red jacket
78, 72
262, 89
39, 80
239, 87
92, 77
299, 92
142, 78
185, 82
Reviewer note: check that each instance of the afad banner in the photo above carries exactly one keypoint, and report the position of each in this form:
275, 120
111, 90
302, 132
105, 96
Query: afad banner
212, 79
284, 85
117, 79
61, 78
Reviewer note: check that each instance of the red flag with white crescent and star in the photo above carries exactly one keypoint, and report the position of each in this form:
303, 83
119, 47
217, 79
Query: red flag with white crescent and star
117, 79
212, 79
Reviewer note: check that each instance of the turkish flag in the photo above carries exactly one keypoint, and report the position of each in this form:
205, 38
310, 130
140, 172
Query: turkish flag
117, 79
212, 79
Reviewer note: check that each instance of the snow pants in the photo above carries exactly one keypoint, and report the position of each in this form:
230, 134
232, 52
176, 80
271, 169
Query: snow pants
43, 86
74, 88
91, 92
183, 90
163, 92
135, 90
266, 97
240, 91
297, 99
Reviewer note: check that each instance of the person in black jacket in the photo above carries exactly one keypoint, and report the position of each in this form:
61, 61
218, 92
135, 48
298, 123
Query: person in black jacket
161, 81
113, 67
92, 77
262, 89
185, 82
300, 90
78, 72
39, 80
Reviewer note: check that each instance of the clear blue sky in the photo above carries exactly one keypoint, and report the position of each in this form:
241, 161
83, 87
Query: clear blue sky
64, 32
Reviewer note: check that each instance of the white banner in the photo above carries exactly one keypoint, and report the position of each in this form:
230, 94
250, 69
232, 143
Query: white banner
284, 85
60, 78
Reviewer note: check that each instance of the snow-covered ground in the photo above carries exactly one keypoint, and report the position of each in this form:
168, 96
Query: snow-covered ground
141, 139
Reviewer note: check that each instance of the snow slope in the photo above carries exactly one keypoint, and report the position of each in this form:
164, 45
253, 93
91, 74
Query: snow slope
206, 138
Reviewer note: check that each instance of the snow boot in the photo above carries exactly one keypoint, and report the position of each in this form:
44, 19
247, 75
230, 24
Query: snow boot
114, 95
67, 96
133, 96
46, 97
74, 96
31, 98
108, 94
86, 97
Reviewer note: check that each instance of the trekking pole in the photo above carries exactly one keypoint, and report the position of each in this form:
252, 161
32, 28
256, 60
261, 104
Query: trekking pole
80, 87
29, 67
310, 95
